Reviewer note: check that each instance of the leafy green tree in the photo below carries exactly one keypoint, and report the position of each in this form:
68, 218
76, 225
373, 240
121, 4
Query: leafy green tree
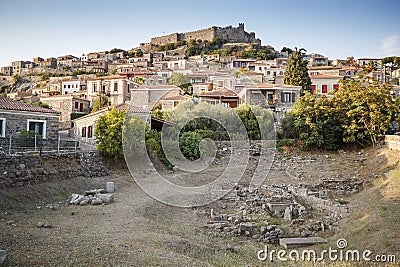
139, 80
189, 143
16, 78
179, 80
296, 71
359, 112
139, 53
100, 102
366, 110
116, 50
108, 133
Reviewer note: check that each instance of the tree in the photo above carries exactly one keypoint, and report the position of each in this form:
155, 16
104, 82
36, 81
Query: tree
139, 80
108, 133
366, 110
296, 71
99, 102
139, 53
179, 80
359, 112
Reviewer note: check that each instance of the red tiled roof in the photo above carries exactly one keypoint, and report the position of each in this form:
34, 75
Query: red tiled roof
9, 104
222, 93
324, 76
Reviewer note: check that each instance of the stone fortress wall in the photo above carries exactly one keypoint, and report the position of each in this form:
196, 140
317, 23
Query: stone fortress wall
232, 34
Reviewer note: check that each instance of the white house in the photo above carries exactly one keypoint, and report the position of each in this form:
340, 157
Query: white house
71, 86
324, 84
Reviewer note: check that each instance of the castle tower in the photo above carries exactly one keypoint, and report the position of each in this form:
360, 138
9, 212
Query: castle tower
241, 26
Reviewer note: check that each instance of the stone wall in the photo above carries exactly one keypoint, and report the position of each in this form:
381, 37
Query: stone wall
393, 142
30, 169
232, 34
171, 38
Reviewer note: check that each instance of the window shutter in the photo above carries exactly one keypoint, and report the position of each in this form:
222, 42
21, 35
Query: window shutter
282, 97
293, 97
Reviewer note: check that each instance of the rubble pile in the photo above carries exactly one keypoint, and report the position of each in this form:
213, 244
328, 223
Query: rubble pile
93, 197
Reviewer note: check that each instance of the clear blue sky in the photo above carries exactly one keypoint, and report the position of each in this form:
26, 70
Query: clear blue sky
335, 28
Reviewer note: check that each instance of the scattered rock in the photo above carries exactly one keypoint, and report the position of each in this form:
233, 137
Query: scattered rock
288, 215
3, 258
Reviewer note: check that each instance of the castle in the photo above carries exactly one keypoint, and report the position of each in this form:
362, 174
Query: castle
231, 34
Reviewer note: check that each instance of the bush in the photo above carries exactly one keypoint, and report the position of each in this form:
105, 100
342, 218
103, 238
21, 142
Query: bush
189, 144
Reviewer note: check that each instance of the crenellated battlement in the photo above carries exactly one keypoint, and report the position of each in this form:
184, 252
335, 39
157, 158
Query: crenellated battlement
230, 33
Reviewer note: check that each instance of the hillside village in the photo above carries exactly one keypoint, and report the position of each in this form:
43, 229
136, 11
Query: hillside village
220, 65
332, 192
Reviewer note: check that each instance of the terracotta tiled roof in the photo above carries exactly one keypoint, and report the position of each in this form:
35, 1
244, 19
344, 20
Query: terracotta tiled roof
9, 104
222, 93
325, 76
177, 98
131, 108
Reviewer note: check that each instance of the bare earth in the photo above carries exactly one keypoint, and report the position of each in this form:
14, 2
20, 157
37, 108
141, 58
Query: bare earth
136, 230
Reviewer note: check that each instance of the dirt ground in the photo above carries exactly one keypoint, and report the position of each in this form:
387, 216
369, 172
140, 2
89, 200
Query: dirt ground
136, 230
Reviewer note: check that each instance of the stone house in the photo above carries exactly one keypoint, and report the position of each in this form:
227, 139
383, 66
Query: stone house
223, 82
278, 97
83, 127
116, 88
201, 88
169, 103
69, 106
7, 70
17, 66
148, 95
16, 117
224, 97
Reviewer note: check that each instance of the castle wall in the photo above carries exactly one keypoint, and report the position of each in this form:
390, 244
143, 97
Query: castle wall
232, 34
171, 38
205, 34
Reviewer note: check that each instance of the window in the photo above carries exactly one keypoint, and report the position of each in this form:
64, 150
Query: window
38, 126
2, 127
90, 132
81, 107
336, 87
83, 131
286, 97
115, 87
69, 86
76, 104
313, 88
324, 88
60, 104
94, 87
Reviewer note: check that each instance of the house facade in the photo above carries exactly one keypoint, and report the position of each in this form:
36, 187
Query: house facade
83, 128
16, 117
324, 84
116, 88
67, 105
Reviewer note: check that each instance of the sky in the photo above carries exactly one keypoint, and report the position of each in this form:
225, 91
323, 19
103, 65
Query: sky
334, 28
